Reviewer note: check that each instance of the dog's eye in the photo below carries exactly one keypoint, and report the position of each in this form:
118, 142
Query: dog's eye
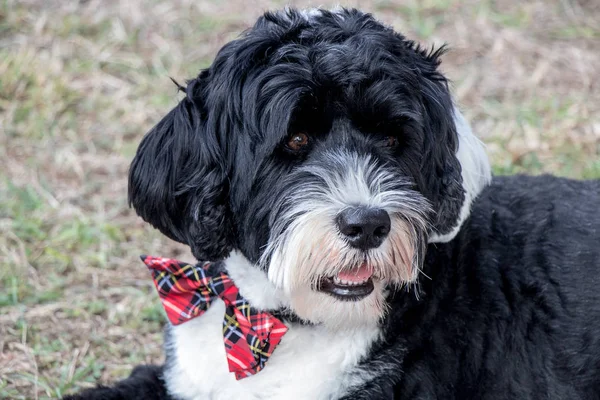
297, 141
389, 141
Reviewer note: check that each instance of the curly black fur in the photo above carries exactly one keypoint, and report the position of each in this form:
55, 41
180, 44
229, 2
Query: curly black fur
271, 81
177, 181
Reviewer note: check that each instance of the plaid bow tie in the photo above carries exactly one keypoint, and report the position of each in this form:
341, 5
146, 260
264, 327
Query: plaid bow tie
186, 292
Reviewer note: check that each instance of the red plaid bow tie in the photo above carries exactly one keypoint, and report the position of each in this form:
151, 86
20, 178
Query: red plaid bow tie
186, 292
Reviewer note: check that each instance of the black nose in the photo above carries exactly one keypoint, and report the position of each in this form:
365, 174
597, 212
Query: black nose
364, 228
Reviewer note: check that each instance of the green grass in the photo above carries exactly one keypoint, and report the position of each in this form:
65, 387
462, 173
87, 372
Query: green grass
80, 85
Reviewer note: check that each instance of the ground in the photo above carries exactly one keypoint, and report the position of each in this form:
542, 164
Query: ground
82, 81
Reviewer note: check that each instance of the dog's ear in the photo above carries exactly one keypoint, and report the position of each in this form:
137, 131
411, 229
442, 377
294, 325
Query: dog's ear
177, 180
442, 181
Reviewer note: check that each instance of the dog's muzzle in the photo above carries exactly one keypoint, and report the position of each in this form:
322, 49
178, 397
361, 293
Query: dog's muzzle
363, 228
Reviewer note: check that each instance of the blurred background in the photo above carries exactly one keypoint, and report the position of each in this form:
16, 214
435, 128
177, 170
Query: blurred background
82, 81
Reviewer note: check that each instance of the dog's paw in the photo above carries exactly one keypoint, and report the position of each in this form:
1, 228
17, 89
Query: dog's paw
144, 383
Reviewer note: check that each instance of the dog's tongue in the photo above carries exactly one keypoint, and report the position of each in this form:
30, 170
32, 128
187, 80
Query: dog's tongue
360, 274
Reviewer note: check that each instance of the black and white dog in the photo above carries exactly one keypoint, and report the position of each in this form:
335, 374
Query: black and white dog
323, 164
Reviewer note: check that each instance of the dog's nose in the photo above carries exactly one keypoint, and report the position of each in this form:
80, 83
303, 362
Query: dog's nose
363, 227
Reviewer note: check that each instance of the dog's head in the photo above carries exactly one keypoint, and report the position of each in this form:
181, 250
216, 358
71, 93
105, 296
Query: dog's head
326, 149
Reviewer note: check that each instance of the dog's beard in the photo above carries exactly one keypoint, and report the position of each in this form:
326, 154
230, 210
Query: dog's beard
306, 246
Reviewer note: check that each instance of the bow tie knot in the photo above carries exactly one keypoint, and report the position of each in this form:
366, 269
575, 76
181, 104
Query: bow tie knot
186, 292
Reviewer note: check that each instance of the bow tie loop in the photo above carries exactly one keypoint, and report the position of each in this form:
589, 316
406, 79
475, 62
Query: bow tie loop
186, 292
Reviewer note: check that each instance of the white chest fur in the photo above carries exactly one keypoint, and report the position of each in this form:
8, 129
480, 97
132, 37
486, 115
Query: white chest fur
311, 362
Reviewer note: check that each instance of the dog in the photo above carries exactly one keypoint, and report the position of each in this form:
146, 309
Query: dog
322, 164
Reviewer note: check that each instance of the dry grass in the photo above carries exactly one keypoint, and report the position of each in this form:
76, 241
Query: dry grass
81, 82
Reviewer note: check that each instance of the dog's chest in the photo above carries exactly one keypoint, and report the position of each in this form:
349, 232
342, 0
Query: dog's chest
309, 363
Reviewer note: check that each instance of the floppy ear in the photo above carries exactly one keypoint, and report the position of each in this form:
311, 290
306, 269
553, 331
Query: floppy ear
454, 166
441, 179
177, 181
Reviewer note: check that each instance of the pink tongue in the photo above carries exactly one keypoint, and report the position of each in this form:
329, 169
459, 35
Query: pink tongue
357, 275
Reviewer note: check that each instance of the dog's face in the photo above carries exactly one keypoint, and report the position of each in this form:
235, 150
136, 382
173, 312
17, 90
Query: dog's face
325, 148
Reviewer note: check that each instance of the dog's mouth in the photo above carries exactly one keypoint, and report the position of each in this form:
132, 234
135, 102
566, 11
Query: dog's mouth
349, 285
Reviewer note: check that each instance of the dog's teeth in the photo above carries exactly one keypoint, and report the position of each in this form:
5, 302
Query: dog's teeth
349, 283
344, 282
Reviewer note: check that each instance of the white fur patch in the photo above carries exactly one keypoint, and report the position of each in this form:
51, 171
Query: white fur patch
476, 172
310, 13
311, 362
254, 284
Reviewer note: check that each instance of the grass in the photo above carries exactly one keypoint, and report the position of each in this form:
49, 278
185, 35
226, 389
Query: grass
81, 82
